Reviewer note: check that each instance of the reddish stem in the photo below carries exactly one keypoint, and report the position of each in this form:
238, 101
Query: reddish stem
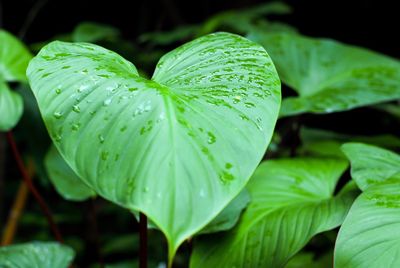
28, 180
143, 241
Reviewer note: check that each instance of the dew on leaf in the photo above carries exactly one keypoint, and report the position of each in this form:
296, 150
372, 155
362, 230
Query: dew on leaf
75, 127
101, 138
76, 109
228, 165
104, 155
58, 91
107, 102
211, 138
57, 115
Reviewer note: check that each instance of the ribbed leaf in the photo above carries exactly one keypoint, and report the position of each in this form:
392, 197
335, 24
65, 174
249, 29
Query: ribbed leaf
369, 237
36, 255
178, 147
330, 76
370, 164
291, 201
64, 179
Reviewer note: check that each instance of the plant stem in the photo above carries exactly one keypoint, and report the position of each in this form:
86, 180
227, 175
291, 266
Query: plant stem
143, 241
16, 210
31, 17
28, 180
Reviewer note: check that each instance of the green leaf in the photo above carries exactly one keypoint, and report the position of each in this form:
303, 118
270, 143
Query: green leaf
178, 147
11, 107
369, 236
64, 179
14, 58
291, 201
307, 259
93, 32
370, 164
36, 255
169, 37
230, 215
330, 76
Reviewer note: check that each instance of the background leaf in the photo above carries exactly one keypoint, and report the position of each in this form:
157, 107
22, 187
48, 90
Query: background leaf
92, 32
369, 235
178, 147
370, 164
36, 255
64, 179
330, 76
291, 201
11, 107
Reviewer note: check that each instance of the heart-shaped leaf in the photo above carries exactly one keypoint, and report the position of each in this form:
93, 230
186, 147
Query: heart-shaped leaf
330, 76
178, 147
64, 179
370, 164
11, 107
36, 255
291, 201
369, 236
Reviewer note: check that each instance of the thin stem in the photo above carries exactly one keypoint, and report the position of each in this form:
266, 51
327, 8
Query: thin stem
143, 241
30, 17
28, 180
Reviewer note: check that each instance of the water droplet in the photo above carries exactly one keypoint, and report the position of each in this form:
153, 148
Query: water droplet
101, 138
132, 89
107, 102
57, 115
122, 129
76, 109
249, 104
57, 138
146, 189
75, 127
226, 177
211, 138
236, 99
58, 91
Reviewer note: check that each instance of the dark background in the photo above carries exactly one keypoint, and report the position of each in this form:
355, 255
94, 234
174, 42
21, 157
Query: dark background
368, 23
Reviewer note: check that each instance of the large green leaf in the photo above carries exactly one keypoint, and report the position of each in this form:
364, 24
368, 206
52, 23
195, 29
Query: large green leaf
14, 58
36, 255
64, 179
370, 164
330, 76
11, 107
369, 236
178, 147
291, 201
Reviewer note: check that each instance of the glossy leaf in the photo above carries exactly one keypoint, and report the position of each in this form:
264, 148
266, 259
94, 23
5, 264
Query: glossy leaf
11, 107
229, 216
36, 255
330, 76
178, 147
370, 164
64, 179
369, 237
291, 201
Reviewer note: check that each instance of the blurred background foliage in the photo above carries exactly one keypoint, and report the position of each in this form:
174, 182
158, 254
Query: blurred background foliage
142, 31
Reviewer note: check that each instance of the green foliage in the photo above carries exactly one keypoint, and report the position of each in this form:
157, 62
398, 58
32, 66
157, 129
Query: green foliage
371, 165
64, 179
330, 76
291, 201
93, 32
197, 130
36, 255
14, 58
369, 236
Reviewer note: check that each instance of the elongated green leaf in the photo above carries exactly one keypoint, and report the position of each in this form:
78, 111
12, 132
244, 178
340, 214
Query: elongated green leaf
369, 237
330, 76
230, 215
64, 179
93, 32
178, 147
14, 58
370, 164
36, 255
11, 107
291, 201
